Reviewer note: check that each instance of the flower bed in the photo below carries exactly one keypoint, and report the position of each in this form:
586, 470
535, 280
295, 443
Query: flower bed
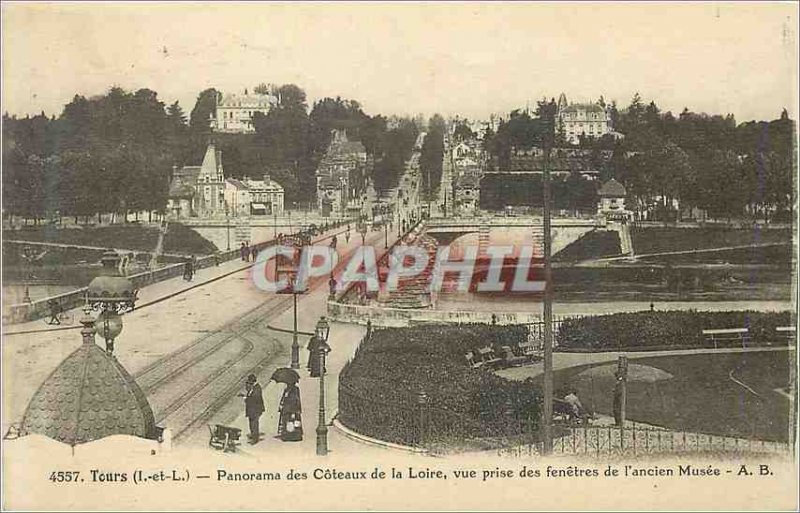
666, 330
413, 386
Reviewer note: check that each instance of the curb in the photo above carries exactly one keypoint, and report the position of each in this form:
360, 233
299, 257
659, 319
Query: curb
358, 437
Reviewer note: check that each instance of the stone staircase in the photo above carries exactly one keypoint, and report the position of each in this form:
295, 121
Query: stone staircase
625, 241
537, 234
413, 292
483, 238
242, 232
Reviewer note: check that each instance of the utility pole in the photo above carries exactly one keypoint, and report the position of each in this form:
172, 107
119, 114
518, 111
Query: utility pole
547, 410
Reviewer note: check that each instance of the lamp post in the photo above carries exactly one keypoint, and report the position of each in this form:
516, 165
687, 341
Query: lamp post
547, 410
321, 332
295, 345
27, 256
228, 225
112, 296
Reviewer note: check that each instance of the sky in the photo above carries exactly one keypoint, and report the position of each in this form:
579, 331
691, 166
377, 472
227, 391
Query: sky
471, 59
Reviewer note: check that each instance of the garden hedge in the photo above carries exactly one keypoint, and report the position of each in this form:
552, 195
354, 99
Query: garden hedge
379, 390
666, 329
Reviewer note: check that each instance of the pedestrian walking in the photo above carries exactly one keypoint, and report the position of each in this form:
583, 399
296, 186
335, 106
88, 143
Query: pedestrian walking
242, 252
313, 364
253, 406
55, 311
188, 269
290, 427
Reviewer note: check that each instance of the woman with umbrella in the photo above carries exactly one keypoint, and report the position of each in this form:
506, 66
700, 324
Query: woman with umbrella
290, 426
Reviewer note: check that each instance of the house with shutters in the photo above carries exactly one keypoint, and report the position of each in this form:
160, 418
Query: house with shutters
198, 191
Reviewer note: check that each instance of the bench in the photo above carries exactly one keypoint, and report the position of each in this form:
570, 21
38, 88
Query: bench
470, 356
787, 332
512, 360
728, 335
225, 438
488, 357
530, 351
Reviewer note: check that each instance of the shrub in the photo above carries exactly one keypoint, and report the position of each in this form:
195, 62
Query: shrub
379, 389
667, 329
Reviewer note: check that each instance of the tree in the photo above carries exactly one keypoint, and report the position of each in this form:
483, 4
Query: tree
205, 108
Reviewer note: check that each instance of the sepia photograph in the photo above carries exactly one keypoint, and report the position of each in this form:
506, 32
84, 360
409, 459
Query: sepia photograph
399, 256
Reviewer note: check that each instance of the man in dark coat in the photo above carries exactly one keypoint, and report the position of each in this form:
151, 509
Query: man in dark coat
253, 406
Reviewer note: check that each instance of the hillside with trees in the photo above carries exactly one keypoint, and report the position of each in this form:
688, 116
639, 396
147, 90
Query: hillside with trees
706, 161
114, 153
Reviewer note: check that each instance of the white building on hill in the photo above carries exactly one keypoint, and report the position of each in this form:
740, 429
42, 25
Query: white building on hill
235, 111
587, 119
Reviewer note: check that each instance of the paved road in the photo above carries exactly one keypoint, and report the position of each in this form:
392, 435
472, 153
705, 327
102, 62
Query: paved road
189, 351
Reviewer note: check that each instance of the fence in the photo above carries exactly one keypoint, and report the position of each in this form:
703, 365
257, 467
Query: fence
75, 298
418, 423
641, 440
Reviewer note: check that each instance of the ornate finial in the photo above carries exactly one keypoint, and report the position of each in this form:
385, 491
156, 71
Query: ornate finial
88, 329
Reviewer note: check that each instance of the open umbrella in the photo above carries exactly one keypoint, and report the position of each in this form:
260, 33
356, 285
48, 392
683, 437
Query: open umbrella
285, 375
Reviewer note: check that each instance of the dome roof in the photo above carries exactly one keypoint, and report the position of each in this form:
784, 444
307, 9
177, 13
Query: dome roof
612, 188
89, 396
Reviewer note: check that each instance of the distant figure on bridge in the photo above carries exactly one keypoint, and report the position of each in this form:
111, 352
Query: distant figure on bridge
55, 311
333, 242
253, 406
332, 286
347, 235
243, 252
253, 253
188, 269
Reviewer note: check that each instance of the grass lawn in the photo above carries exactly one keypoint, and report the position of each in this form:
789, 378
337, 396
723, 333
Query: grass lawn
769, 255
137, 237
660, 239
698, 393
595, 244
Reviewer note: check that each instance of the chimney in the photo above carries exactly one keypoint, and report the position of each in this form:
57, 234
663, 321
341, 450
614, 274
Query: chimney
266, 180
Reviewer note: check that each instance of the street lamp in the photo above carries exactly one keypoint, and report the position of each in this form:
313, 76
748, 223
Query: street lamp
321, 333
112, 296
28, 257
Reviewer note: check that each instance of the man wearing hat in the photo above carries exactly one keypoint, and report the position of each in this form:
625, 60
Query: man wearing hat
253, 406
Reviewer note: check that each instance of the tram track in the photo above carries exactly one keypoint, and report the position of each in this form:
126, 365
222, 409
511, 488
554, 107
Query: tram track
187, 387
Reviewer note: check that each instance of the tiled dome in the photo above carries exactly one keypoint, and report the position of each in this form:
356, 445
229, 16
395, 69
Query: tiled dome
88, 397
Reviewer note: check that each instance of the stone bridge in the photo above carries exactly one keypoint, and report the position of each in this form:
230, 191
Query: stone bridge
506, 230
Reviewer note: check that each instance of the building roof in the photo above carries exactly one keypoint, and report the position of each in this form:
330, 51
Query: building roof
346, 148
612, 189
588, 107
212, 162
250, 101
261, 185
89, 396
237, 183
183, 182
